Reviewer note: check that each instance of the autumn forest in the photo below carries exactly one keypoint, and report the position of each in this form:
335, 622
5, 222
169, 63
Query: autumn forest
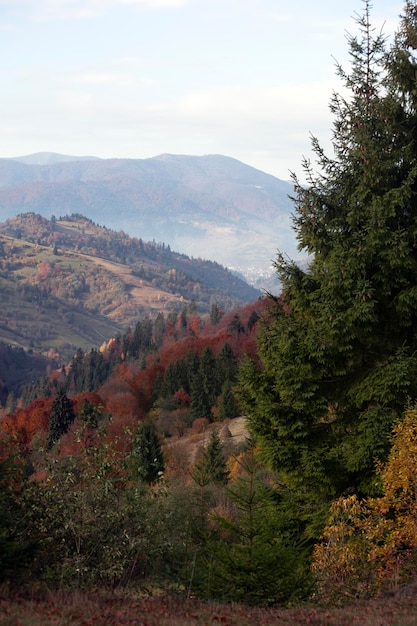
255, 450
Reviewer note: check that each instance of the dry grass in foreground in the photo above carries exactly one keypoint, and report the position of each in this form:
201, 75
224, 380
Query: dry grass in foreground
88, 609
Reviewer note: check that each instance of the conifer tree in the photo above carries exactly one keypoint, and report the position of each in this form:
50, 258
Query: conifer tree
204, 386
338, 350
200, 405
251, 558
209, 373
227, 408
62, 416
159, 329
212, 465
89, 414
216, 314
146, 455
226, 363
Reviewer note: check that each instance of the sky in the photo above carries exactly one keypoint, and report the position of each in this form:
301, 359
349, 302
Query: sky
248, 79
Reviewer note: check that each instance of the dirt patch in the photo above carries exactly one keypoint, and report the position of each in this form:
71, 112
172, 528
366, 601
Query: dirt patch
140, 292
232, 432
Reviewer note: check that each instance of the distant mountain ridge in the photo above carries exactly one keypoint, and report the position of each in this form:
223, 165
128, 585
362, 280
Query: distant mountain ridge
48, 158
213, 206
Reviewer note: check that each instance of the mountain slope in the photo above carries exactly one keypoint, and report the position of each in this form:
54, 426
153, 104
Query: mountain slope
212, 207
69, 283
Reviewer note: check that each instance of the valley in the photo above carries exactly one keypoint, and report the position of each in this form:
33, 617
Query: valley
210, 207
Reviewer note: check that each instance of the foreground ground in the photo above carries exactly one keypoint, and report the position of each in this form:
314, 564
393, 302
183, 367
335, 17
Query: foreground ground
81, 609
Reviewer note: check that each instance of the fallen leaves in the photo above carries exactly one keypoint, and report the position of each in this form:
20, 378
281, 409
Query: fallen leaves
100, 609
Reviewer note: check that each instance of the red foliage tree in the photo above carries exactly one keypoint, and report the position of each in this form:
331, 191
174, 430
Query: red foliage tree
182, 398
94, 398
25, 423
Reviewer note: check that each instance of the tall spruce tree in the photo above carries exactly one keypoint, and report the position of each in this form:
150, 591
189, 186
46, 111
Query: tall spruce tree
205, 386
146, 456
252, 556
338, 349
62, 416
212, 465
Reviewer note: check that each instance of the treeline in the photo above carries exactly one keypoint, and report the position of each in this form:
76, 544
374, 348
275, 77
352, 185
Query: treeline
177, 359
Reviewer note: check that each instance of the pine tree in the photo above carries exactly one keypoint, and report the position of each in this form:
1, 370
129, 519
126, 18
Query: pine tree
209, 373
146, 456
227, 407
62, 416
89, 414
212, 465
339, 347
205, 386
216, 314
226, 363
159, 330
253, 558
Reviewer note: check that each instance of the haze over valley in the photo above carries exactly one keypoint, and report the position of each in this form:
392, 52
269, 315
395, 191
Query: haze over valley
211, 207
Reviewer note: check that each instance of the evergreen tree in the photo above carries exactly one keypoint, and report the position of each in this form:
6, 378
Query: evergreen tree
192, 361
175, 377
62, 416
216, 314
226, 362
75, 379
253, 557
235, 326
339, 347
204, 386
146, 455
227, 407
18, 544
209, 375
183, 318
89, 414
212, 465
200, 405
159, 330
142, 337
253, 318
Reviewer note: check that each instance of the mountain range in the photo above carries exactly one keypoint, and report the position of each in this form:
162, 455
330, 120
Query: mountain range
211, 207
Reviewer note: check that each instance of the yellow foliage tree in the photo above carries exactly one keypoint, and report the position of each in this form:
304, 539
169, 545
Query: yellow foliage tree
370, 547
394, 532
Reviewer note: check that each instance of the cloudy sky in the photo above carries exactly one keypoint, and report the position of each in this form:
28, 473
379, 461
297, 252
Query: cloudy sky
249, 79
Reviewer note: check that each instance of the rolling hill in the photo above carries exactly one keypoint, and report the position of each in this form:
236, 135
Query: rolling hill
67, 283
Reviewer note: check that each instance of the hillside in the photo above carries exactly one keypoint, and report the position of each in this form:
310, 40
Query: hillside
166, 580
212, 206
69, 283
